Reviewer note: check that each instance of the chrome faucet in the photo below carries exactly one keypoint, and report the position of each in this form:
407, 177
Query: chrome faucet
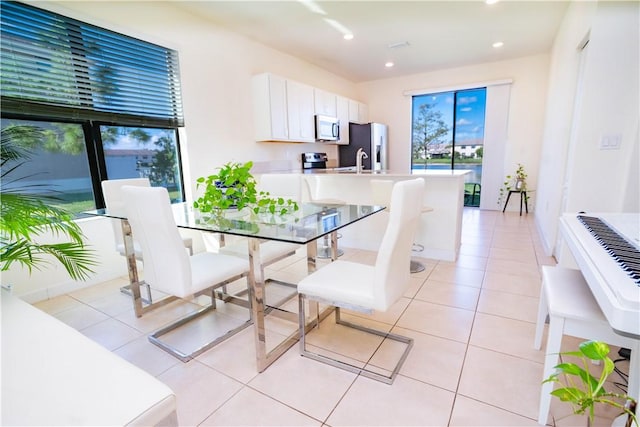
359, 156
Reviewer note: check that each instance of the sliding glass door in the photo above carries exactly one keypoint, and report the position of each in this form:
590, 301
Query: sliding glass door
448, 133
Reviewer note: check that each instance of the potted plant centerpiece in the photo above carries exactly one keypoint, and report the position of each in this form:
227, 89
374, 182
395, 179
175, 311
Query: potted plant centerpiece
232, 187
583, 390
235, 187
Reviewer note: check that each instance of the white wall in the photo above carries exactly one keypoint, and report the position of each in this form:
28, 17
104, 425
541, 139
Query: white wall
596, 180
51, 279
610, 106
526, 109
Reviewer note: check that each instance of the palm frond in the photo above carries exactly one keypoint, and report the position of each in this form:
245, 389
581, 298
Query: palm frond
27, 212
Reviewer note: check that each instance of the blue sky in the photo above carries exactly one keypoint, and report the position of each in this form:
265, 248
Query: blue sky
470, 114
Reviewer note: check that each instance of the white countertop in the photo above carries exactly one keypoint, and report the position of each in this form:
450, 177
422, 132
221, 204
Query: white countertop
368, 173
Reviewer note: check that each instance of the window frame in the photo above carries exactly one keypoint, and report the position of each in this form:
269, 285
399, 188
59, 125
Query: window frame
36, 107
94, 149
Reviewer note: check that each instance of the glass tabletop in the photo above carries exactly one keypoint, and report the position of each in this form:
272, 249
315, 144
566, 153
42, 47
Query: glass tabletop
310, 222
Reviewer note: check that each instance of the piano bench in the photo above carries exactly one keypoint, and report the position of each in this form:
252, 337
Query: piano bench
566, 298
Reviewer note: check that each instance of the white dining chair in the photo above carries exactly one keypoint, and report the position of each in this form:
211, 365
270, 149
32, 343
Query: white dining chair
365, 288
115, 205
169, 268
111, 191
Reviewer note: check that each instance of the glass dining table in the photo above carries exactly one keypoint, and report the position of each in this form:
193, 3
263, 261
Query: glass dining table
305, 226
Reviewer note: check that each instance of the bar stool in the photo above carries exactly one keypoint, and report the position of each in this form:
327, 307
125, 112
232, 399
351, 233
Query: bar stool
572, 310
323, 186
381, 195
416, 266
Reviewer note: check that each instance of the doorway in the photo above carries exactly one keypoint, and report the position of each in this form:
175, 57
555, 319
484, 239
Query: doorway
448, 133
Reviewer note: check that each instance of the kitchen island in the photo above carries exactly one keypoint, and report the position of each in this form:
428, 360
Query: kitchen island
440, 229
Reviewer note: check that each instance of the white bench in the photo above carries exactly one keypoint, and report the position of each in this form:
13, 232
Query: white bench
54, 375
572, 310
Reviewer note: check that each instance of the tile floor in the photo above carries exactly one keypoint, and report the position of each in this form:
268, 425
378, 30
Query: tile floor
472, 363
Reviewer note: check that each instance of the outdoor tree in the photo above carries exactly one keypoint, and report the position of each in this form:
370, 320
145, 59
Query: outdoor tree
479, 152
428, 128
163, 169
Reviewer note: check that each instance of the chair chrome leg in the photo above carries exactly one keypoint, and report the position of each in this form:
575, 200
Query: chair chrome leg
127, 291
346, 366
185, 357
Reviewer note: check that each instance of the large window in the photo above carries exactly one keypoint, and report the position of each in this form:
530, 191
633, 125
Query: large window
448, 133
103, 105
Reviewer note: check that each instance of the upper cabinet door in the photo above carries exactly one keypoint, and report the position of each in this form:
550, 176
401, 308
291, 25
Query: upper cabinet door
270, 108
353, 111
284, 110
358, 112
325, 103
363, 113
300, 108
342, 107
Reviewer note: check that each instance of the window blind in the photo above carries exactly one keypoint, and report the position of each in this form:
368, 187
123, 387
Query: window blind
56, 66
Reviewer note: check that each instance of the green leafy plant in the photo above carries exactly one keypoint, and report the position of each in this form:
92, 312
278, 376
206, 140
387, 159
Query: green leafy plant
582, 389
235, 187
517, 181
274, 205
28, 212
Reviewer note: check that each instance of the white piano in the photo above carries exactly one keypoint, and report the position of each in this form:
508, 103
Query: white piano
616, 290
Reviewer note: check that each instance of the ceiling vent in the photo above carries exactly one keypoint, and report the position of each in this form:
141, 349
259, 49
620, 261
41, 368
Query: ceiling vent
398, 45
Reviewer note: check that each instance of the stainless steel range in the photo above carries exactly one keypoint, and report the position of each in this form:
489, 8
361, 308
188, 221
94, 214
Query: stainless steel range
312, 161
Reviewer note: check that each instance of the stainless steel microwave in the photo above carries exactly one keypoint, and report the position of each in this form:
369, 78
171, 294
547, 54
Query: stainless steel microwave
327, 128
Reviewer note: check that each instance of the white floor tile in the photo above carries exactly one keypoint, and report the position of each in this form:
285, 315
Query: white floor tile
472, 363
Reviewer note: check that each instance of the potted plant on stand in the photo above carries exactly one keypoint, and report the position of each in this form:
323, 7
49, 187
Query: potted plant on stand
515, 182
583, 390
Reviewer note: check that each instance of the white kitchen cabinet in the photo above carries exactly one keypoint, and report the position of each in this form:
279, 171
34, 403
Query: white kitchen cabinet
353, 111
342, 110
358, 112
300, 109
363, 113
270, 114
325, 103
284, 110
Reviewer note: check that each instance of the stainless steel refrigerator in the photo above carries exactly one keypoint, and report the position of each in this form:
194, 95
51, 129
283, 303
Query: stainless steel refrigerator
373, 139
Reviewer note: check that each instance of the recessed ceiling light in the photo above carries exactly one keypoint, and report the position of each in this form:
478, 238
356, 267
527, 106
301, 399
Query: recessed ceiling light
491, 1
338, 26
389, 64
497, 44
348, 36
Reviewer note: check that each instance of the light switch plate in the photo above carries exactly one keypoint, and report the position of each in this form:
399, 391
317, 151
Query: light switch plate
611, 142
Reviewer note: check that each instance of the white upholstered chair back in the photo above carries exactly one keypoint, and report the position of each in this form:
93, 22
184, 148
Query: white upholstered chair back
115, 205
381, 190
166, 261
392, 264
327, 189
288, 186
